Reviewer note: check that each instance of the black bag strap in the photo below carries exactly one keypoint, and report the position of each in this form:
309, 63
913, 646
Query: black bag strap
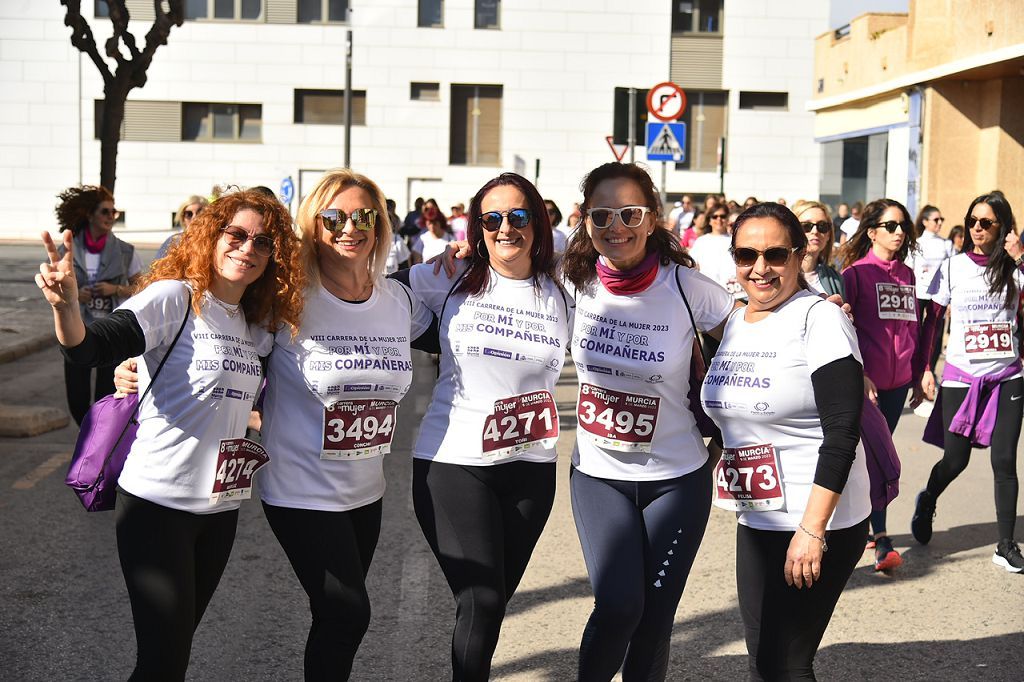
135, 412
693, 323
458, 281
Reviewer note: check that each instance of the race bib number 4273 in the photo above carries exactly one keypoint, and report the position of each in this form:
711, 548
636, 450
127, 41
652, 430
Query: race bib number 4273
519, 423
747, 479
617, 420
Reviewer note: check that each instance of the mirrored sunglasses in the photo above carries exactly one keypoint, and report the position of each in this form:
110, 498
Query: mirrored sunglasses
517, 218
334, 219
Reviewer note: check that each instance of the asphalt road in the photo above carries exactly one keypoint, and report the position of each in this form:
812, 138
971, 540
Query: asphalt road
947, 614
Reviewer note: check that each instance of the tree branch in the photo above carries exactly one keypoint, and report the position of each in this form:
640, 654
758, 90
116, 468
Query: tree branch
82, 38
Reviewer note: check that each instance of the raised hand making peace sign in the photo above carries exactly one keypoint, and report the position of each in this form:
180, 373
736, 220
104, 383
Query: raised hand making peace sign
56, 278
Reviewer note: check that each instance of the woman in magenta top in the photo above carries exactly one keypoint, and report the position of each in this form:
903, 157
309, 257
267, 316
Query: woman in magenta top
881, 290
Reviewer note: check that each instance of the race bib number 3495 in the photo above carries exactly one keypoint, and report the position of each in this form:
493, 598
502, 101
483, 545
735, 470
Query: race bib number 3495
519, 423
617, 420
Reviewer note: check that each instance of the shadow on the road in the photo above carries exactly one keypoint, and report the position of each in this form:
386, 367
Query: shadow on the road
524, 600
920, 561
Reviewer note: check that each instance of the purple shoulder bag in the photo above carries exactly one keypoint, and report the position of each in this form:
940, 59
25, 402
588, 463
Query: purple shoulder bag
104, 440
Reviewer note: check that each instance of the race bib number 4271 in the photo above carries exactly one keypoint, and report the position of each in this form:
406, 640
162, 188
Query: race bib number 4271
617, 420
519, 423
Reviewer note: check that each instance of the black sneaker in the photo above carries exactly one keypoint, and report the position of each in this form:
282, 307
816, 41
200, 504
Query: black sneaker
924, 512
1008, 556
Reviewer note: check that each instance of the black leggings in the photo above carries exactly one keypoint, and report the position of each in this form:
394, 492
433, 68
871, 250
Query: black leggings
784, 625
330, 553
890, 404
482, 523
639, 540
172, 561
1005, 435
78, 383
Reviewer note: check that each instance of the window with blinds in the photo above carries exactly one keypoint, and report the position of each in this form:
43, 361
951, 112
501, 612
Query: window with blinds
475, 127
705, 117
328, 107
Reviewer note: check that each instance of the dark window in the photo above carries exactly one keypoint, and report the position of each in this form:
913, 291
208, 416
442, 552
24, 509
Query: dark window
705, 119
620, 127
218, 122
430, 14
778, 101
100, 9
425, 92
328, 107
697, 16
487, 14
228, 10
320, 11
475, 131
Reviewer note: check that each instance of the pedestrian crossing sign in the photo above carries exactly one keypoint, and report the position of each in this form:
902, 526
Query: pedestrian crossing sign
666, 141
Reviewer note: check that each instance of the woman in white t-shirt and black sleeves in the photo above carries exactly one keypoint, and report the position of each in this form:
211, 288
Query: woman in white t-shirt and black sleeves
979, 404
640, 479
330, 411
176, 508
786, 388
484, 461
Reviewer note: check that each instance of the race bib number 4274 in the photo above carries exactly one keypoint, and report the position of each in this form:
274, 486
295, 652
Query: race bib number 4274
238, 459
617, 420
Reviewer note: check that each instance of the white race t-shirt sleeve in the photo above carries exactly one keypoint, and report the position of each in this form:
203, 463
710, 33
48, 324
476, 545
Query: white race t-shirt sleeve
159, 309
939, 287
421, 316
432, 289
135, 266
710, 303
830, 336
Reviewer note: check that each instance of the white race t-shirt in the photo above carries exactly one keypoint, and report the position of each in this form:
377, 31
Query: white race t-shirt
974, 313
711, 252
758, 390
398, 254
932, 250
505, 343
428, 245
352, 353
204, 394
632, 356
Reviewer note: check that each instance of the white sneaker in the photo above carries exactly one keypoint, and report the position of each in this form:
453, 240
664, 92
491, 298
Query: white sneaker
924, 410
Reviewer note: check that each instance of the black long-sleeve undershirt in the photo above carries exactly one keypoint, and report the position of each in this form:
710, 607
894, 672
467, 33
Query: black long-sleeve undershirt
839, 396
108, 341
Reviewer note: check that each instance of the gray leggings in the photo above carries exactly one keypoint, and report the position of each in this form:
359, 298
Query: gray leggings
639, 540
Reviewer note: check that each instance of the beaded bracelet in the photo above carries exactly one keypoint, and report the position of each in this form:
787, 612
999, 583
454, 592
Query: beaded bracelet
824, 545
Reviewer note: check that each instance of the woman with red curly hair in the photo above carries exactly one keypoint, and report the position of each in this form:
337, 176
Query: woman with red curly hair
107, 269
230, 279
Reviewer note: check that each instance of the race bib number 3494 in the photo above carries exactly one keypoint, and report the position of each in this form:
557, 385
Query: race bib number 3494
356, 429
617, 420
519, 423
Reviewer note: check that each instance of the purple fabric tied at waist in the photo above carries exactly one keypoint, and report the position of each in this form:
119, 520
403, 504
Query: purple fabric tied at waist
880, 456
977, 415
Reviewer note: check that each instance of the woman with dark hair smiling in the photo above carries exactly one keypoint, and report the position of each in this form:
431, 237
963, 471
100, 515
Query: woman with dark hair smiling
881, 290
979, 404
484, 462
786, 390
640, 477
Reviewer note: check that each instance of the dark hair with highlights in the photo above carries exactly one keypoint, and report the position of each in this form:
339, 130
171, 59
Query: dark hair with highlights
77, 204
273, 299
542, 251
1000, 268
579, 263
857, 246
926, 213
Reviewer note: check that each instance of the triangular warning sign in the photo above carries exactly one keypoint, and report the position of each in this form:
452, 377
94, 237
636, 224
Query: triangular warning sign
666, 143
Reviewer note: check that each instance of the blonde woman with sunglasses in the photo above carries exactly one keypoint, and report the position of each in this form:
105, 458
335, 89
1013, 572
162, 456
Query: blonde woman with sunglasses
816, 221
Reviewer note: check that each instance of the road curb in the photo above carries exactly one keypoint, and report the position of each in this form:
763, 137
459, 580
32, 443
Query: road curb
27, 347
25, 421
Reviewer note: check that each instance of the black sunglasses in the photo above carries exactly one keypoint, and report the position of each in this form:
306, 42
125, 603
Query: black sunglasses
517, 218
236, 237
823, 226
110, 211
334, 219
776, 256
890, 226
188, 215
984, 223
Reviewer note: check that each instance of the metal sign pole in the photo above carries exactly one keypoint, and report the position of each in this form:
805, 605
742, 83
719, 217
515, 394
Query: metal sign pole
664, 194
631, 137
348, 98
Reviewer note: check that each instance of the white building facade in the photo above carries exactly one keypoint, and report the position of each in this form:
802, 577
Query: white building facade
446, 94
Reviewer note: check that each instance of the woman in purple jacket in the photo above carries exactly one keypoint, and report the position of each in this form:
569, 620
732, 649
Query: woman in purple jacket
881, 290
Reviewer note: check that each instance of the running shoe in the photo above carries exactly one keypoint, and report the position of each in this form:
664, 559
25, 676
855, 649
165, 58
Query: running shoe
886, 558
924, 512
1008, 556
870, 544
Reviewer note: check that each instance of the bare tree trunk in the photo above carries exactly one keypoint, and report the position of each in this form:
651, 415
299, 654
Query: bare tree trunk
110, 133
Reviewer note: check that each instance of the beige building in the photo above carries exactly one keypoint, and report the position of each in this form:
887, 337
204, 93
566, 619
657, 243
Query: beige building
925, 107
